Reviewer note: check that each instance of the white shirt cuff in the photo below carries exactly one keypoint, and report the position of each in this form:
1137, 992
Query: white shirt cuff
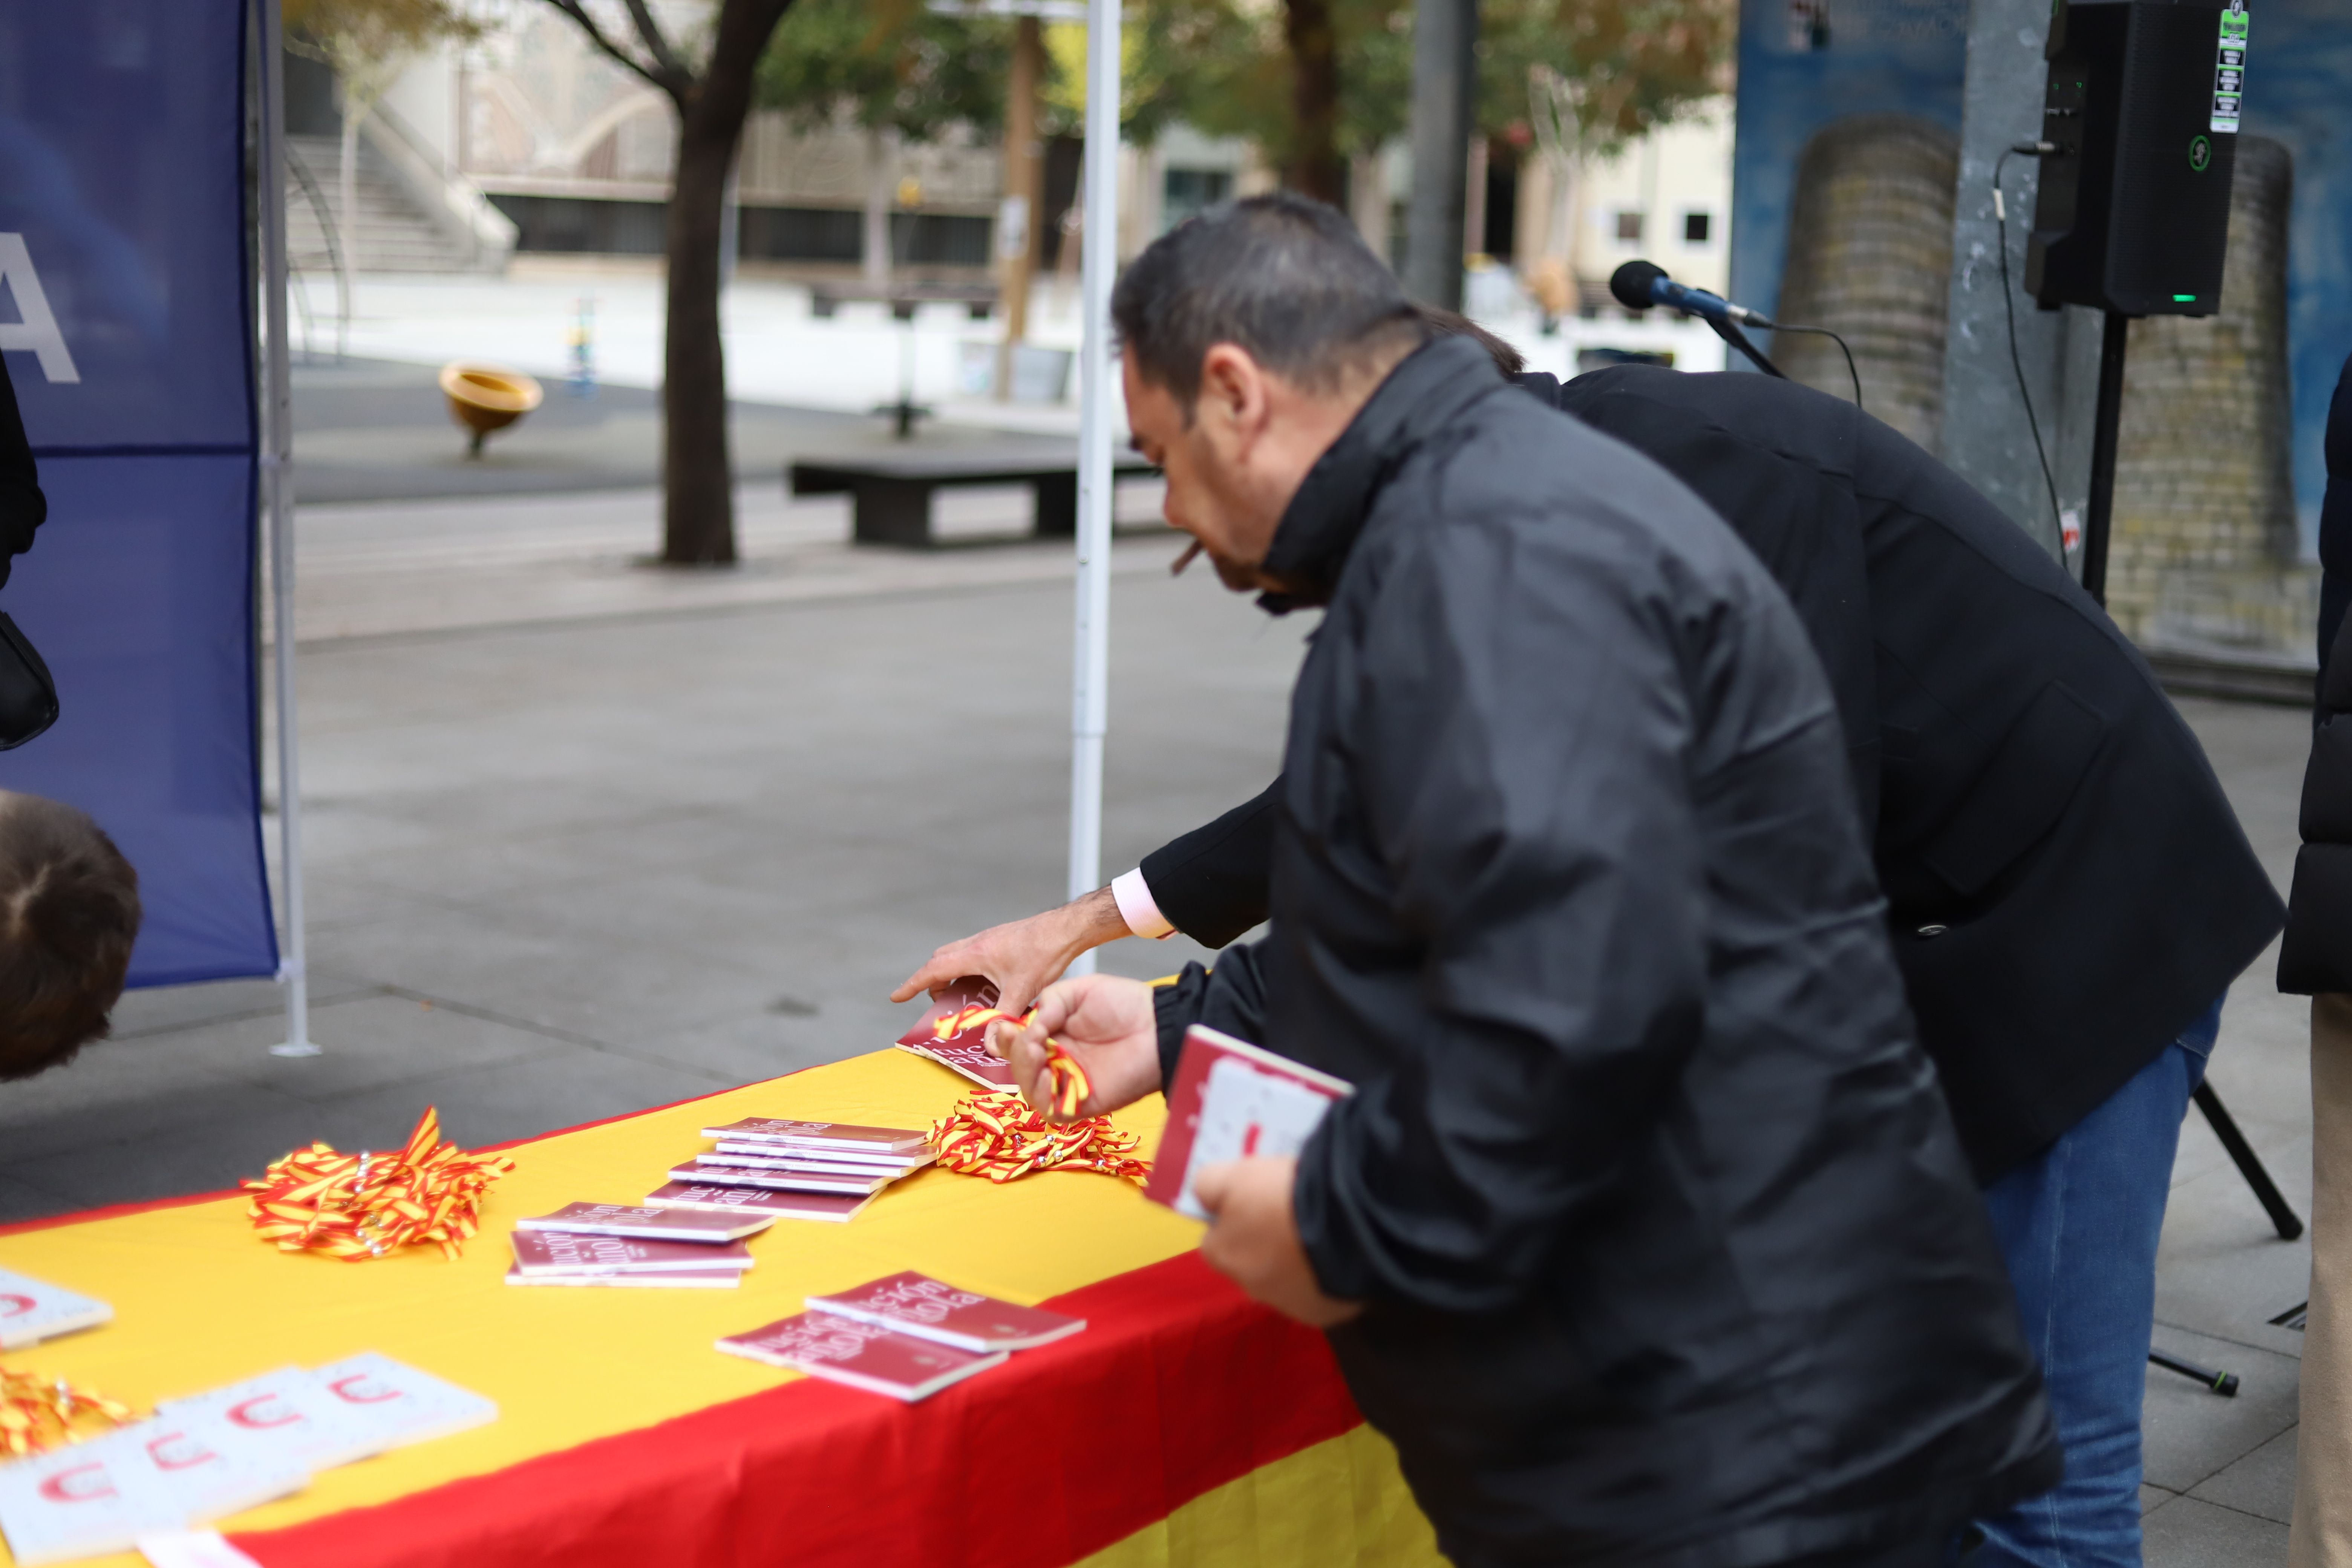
1136, 906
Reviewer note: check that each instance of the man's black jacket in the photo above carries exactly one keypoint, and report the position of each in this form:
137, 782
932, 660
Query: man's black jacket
1670, 1254
2317, 956
22, 505
2067, 886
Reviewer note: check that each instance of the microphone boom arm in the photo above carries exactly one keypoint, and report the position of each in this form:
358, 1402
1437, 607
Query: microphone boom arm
1731, 334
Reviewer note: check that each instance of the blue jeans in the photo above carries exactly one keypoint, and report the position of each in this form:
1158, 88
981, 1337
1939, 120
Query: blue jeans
2078, 1225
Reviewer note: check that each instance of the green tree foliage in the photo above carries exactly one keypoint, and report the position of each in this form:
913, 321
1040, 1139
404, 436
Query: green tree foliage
887, 65
368, 43
1224, 67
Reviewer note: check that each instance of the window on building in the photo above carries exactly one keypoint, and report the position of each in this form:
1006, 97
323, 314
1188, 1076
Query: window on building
1698, 228
1186, 192
1629, 228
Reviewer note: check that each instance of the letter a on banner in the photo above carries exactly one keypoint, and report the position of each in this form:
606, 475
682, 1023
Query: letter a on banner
38, 329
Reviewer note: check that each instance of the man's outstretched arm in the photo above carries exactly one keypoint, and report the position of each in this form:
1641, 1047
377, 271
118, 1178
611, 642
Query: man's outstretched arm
1210, 884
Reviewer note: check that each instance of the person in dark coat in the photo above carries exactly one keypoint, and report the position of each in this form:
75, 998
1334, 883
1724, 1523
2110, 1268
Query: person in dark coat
2315, 961
2037, 809
1645, 1236
22, 505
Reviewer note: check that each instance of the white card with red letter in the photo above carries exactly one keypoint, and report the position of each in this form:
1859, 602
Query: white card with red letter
291, 1411
399, 1404
33, 1309
80, 1501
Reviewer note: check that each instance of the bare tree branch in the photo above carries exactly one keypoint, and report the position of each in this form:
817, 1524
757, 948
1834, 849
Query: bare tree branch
655, 45
578, 11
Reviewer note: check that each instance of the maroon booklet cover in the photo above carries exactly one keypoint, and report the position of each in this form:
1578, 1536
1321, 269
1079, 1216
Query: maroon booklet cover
954, 1033
774, 1158
648, 1224
840, 1136
918, 1304
561, 1252
656, 1279
779, 1181
862, 1356
705, 1197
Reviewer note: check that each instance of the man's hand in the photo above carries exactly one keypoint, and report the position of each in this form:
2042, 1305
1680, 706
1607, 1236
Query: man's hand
1105, 1023
1253, 1239
1025, 957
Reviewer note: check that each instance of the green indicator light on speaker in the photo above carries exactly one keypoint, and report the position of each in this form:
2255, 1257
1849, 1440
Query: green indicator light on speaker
2184, 298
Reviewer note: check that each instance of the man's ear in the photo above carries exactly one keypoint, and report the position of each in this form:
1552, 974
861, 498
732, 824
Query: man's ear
1234, 392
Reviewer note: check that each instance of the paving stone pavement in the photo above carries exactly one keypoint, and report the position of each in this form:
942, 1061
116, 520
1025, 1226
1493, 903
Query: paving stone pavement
567, 863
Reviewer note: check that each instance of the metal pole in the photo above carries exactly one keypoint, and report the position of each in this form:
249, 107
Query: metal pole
2105, 424
277, 501
1098, 263
1445, 87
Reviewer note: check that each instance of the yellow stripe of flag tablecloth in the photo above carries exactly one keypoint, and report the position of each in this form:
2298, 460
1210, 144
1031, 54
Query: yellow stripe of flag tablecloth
200, 1301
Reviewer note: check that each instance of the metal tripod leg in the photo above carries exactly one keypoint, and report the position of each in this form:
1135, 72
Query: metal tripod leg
2249, 1164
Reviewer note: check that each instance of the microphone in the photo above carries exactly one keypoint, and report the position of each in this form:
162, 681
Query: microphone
1638, 285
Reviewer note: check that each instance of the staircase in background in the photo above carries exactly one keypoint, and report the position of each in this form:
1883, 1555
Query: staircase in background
395, 233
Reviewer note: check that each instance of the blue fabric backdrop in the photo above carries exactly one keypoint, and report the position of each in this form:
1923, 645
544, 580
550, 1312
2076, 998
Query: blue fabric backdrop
123, 185
1909, 56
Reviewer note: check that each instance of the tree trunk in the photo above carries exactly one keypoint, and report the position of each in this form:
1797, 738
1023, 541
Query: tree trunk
881, 182
697, 479
1317, 169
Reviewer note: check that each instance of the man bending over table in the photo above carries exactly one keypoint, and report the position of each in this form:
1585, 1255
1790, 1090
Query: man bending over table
1646, 1237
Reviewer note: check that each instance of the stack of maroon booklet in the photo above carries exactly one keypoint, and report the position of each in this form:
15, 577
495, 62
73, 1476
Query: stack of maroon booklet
793, 1170
907, 1335
612, 1244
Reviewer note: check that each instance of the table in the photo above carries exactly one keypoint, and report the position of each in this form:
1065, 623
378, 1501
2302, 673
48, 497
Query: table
1186, 1426
890, 490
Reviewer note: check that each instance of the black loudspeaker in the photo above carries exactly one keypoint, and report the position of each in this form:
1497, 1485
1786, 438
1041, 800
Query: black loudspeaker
2142, 108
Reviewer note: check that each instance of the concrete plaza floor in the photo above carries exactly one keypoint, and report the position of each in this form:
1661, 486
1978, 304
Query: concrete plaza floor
587, 838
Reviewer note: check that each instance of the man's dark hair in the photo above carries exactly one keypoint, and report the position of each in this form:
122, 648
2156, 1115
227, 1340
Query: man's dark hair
68, 914
1445, 323
1282, 277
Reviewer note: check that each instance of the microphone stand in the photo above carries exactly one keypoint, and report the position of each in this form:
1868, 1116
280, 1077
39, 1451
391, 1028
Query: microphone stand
1730, 333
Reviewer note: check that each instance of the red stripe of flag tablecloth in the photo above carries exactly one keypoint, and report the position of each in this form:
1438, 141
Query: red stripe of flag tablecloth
1180, 1385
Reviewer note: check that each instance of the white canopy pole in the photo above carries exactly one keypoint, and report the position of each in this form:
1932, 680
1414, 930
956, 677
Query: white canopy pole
1090, 666
277, 502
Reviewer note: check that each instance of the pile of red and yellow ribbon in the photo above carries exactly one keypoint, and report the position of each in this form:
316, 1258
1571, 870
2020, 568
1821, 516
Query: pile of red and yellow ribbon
997, 1135
364, 1206
37, 1414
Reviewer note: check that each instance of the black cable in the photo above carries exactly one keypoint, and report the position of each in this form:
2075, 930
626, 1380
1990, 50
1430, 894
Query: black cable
2009, 308
1832, 337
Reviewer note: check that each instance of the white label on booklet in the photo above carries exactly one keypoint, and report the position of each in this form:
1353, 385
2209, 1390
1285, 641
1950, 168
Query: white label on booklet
1246, 1112
191, 1548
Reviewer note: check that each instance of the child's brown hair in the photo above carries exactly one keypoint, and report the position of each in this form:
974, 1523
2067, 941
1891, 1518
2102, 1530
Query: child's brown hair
68, 914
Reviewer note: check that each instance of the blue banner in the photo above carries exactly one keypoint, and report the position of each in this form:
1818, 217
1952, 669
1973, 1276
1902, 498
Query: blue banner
128, 338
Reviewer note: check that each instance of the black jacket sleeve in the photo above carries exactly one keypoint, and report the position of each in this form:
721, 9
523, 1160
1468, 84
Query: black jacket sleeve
2316, 955
1236, 1004
2336, 516
22, 505
1211, 884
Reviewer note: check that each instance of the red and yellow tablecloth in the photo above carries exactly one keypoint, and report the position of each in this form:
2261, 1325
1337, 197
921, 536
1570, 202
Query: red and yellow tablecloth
1186, 1426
